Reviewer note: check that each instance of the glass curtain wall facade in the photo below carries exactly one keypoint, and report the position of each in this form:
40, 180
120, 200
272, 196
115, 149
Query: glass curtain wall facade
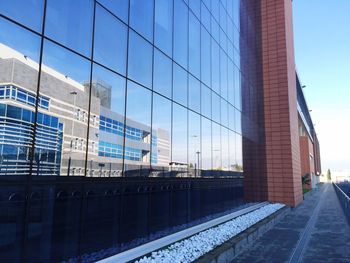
112, 88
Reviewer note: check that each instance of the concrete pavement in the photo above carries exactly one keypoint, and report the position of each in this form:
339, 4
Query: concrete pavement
315, 231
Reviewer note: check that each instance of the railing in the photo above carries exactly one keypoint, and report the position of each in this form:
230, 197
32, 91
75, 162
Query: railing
343, 192
54, 219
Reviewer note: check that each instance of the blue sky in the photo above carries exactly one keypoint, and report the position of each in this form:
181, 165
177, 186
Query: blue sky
322, 50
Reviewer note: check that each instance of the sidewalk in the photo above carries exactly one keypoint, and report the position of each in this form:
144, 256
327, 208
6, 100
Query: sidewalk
315, 231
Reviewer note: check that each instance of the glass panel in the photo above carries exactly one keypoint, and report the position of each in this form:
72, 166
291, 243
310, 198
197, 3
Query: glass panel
194, 139
70, 23
205, 17
161, 137
237, 79
206, 152
224, 113
140, 60
231, 117
194, 46
215, 66
181, 33
215, 29
19, 56
29, 12
225, 149
120, 8
223, 18
215, 8
206, 101
164, 25
230, 83
215, 107
239, 157
217, 153
236, 12
232, 150
223, 74
205, 58
179, 143
238, 121
61, 149
179, 84
141, 17
137, 155
162, 75
195, 6
194, 93
110, 41
106, 135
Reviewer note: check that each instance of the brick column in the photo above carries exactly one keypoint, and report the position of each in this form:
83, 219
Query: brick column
280, 103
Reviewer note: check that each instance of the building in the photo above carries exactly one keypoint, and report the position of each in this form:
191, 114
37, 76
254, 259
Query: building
156, 88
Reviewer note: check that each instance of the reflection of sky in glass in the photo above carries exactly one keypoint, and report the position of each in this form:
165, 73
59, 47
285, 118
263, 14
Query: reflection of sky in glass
138, 106
206, 144
119, 8
19, 39
70, 23
28, 12
216, 137
161, 113
66, 62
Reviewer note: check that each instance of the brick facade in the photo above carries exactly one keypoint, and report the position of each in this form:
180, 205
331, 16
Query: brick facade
281, 174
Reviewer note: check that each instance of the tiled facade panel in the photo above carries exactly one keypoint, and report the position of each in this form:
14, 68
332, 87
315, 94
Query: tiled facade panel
280, 106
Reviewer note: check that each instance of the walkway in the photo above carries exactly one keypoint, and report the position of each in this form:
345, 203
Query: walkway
316, 231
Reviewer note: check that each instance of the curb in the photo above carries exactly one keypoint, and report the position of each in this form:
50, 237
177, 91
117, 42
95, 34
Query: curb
229, 250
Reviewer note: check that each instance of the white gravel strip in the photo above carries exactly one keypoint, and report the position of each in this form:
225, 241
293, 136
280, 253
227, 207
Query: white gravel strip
192, 248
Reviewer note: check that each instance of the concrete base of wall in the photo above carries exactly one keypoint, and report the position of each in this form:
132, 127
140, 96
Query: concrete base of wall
229, 250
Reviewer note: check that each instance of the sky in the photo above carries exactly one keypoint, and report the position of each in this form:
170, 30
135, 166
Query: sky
322, 54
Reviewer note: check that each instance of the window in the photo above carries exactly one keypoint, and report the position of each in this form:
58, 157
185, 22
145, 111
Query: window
15, 38
194, 139
205, 57
223, 74
179, 142
70, 23
161, 126
108, 90
164, 25
225, 148
215, 66
180, 33
141, 18
110, 41
206, 151
217, 151
162, 75
205, 101
224, 113
179, 85
194, 93
215, 107
120, 8
194, 46
29, 12
195, 6
140, 60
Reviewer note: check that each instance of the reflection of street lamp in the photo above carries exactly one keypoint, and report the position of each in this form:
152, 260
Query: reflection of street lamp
74, 93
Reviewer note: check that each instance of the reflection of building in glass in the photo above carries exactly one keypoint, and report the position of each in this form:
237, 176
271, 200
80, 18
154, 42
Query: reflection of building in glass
62, 120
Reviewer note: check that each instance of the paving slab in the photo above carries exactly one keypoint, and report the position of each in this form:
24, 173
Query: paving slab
315, 231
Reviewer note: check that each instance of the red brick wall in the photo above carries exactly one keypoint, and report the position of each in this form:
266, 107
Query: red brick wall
280, 103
